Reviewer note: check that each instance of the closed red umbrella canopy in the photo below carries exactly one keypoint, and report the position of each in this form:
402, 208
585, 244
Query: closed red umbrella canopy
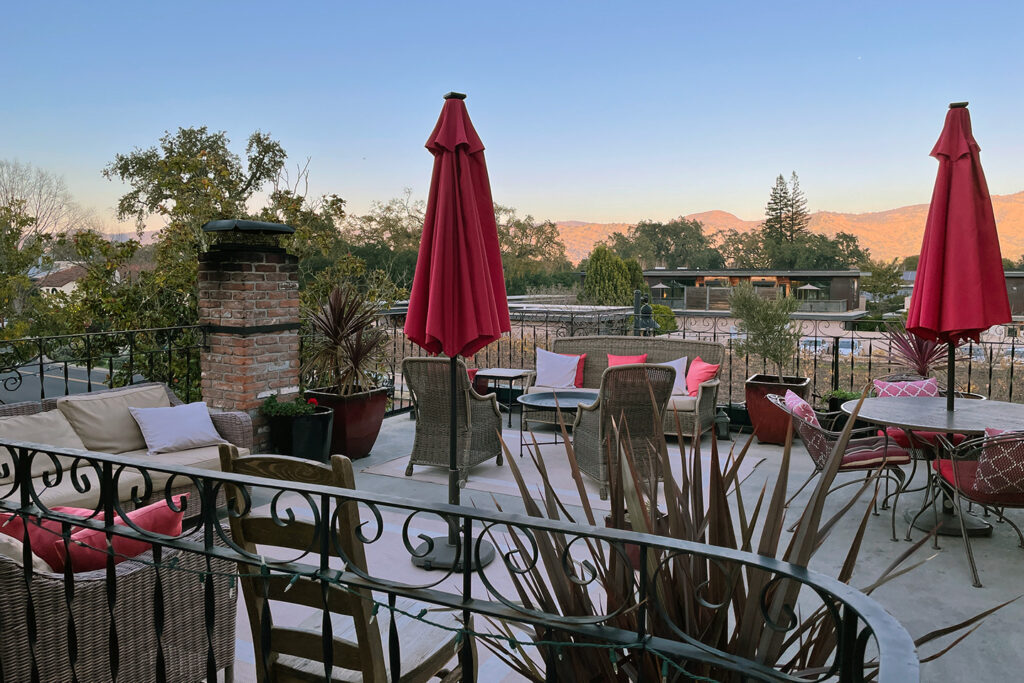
960, 288
458, 303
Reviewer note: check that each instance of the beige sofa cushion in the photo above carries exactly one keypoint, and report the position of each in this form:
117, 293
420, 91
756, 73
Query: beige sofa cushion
206, 458
102, 419
682, 404
50, 428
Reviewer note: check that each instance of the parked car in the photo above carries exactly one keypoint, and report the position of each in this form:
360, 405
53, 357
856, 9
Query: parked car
975, 353
1014, 354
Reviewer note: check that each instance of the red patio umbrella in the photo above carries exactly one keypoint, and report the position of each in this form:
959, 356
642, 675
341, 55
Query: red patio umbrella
457, 305
960, 288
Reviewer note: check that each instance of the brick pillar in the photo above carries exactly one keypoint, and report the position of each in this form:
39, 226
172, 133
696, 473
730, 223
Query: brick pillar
249, 303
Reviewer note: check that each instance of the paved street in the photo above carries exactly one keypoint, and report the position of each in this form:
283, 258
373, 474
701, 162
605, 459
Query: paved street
27, 388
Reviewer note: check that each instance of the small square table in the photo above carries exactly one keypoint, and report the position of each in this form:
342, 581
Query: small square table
510, 375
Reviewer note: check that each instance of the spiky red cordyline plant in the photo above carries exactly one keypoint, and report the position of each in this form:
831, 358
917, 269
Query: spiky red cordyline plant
738, 627
923, 356
345, 346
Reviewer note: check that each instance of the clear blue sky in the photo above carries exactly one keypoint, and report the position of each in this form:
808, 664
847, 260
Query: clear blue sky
597, 111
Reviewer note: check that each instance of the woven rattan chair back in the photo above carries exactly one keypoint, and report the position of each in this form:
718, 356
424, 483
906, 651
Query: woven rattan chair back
478, 421
632, 400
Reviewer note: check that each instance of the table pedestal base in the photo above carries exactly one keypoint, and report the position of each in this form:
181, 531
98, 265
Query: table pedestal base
945, 518
442, 556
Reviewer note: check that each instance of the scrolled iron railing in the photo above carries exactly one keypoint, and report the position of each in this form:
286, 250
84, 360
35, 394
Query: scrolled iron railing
868, 640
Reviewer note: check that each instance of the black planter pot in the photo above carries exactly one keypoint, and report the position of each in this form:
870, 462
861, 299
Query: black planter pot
304, 436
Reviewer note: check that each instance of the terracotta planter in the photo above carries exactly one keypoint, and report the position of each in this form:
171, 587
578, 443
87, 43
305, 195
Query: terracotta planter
357, 419
769, 422
304, 436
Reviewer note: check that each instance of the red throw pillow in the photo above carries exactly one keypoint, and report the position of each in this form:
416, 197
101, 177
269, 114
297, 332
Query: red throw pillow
472, 374
625, 360
699, 372
87, 549
579, 367
42, 533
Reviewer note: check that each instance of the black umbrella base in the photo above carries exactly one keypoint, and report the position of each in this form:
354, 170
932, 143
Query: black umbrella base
443, 555
946, 520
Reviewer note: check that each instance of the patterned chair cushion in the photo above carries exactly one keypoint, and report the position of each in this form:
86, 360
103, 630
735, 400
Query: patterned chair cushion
801, 408
869, 455
1000, 466
922, 440
965, 478
922, 387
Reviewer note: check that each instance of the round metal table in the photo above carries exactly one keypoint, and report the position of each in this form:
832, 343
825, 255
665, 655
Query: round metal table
551, 402
926, 414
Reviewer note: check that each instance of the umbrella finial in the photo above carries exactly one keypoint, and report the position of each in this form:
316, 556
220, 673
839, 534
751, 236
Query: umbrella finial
958, 105
455, 96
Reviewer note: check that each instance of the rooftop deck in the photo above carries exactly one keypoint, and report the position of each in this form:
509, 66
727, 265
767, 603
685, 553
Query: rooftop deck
936, 594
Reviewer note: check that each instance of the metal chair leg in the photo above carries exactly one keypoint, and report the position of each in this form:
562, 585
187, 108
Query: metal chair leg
967, 540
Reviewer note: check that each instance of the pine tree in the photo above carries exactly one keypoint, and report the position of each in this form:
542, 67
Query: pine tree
773, 228
795, 218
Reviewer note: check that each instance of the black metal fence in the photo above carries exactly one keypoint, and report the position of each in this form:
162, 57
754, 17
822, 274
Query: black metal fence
35, 368
129, 627
835, 355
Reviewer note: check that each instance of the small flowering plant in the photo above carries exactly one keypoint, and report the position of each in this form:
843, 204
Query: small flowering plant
298, 406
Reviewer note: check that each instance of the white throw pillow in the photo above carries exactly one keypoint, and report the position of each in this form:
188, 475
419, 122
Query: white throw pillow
177, 428
680, 367
556, 370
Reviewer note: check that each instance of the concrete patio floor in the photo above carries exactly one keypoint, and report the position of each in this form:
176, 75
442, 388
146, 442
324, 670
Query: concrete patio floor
937, 594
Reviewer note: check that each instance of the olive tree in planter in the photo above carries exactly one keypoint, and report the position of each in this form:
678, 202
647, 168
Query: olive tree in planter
345, 354
767, 331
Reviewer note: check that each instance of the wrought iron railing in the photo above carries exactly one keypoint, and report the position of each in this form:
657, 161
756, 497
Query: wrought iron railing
35, 368
865, 636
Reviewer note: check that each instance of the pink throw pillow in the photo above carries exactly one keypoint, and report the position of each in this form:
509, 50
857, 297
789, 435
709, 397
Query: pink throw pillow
1000, 466
625, 360
43, 532
801, 408
580, 359
699, 372
88, 547
921, 387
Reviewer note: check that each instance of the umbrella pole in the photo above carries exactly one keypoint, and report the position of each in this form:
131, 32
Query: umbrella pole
950, 376
448, 552
453, 462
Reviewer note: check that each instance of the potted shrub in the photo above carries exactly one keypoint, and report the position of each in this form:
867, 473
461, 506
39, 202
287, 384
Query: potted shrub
766, 330
345, 353
299, 427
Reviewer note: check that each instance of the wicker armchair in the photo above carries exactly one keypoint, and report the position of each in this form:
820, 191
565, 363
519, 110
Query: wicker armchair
183, 641
633, 398
478, 417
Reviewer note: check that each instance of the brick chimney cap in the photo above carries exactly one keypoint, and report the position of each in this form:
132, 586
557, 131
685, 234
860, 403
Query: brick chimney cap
247, 226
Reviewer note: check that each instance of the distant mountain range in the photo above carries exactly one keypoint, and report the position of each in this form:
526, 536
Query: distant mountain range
887, 234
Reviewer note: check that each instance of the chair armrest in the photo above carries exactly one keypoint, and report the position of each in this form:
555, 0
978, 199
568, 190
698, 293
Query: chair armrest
492, 398
588, 415
235, 426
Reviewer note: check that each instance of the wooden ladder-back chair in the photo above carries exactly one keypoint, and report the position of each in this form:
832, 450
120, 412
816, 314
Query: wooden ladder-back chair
632, 398
292, 649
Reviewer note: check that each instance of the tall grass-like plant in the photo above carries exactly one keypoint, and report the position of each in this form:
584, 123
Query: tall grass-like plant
732, 610
346, 348
922, 356
764, 325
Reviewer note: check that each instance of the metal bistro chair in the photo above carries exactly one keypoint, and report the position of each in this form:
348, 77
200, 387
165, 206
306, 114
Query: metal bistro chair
633, 398
988, 471
289, 647
478, 417
865, 453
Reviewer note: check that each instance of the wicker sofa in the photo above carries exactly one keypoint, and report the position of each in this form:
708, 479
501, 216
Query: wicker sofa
183, 639
234, 427
689, 409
